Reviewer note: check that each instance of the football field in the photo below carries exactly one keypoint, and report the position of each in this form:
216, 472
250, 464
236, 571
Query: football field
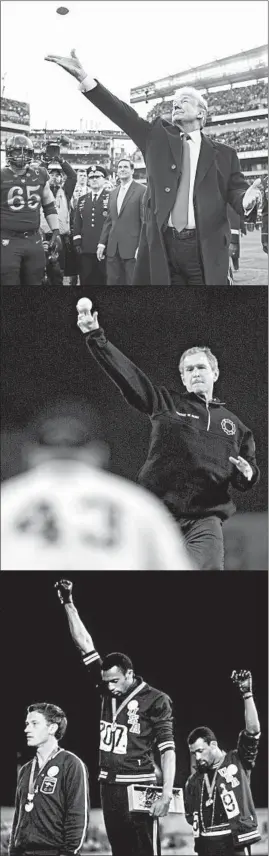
253, 262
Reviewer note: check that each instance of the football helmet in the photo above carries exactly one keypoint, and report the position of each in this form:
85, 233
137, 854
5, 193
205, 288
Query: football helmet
19, 151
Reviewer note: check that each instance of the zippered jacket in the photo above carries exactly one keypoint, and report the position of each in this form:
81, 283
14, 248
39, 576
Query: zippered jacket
132, 728
233, 794
59, 819
191, 441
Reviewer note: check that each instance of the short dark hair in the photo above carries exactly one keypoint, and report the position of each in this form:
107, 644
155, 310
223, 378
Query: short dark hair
126, 159
117, 659
52, 714
201, 731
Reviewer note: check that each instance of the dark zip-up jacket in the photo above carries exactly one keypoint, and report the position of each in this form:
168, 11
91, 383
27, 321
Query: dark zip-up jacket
191, 441
59, 820
132, 726
237, 812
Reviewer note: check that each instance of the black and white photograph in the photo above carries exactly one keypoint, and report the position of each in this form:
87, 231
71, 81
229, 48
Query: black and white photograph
138, 152
181, 767
134, 427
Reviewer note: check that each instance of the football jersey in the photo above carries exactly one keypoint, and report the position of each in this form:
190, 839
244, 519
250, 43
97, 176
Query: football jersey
21, 197
68, 516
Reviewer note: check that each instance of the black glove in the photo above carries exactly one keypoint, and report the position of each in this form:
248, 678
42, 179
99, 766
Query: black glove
55, 242
64, 591
243, 680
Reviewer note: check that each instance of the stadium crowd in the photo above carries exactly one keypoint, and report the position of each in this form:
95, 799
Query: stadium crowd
15, 111
247, 140
239, 98
225, 101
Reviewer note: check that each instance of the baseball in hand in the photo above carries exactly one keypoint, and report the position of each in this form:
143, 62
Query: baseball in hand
84, 305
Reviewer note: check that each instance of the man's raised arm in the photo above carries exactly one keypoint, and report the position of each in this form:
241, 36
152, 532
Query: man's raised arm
248, 741
118, 111
137, 388
79, 633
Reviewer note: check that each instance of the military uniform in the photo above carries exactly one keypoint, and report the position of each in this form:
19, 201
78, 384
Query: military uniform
89, 219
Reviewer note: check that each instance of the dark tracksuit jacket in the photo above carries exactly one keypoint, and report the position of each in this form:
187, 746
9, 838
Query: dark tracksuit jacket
131, 728
234, 808
188, 463
58, 823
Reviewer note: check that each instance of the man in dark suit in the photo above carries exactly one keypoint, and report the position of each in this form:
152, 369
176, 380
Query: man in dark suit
89, 218
190, 181
121, 230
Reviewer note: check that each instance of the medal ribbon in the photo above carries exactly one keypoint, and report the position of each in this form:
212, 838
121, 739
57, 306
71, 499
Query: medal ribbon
210, 787
210, 790
32, 790
115, 711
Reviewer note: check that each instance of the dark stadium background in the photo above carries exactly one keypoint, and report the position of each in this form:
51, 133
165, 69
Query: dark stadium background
184, 633
44, 357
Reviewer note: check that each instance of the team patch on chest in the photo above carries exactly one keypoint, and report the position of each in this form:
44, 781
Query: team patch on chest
48, 785
228, 426
133, 716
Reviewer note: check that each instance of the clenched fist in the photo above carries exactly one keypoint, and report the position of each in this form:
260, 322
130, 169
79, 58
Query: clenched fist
243, 680
64, 591
86, 320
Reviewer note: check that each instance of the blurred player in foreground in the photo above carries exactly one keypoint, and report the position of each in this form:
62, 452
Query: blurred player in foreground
135, 719
218, 799
24, 189
198, 448
52, 797
66, 514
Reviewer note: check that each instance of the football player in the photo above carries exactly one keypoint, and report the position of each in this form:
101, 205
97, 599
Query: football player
24, 189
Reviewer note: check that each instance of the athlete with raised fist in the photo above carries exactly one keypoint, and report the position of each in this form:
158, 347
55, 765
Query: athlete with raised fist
198, 448
135, 719
218, 799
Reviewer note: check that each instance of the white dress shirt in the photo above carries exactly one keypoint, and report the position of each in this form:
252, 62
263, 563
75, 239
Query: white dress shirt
122, 193
194, 145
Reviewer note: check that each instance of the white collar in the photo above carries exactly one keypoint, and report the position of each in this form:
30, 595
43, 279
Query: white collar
125, 187
195, 135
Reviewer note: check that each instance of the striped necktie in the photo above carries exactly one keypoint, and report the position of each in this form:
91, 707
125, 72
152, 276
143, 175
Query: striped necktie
179, 213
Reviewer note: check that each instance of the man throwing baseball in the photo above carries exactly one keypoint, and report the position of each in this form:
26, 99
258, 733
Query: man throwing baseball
135, 719
218, 799
198, 448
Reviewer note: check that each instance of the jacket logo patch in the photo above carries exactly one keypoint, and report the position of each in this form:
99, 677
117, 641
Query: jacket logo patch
228, 426
229, 775
48, 785
133, 716
5, 243
53, 771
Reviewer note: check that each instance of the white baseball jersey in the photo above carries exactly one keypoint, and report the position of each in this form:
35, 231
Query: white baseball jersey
67, 516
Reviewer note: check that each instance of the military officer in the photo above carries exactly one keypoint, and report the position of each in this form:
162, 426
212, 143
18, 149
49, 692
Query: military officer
90, 215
